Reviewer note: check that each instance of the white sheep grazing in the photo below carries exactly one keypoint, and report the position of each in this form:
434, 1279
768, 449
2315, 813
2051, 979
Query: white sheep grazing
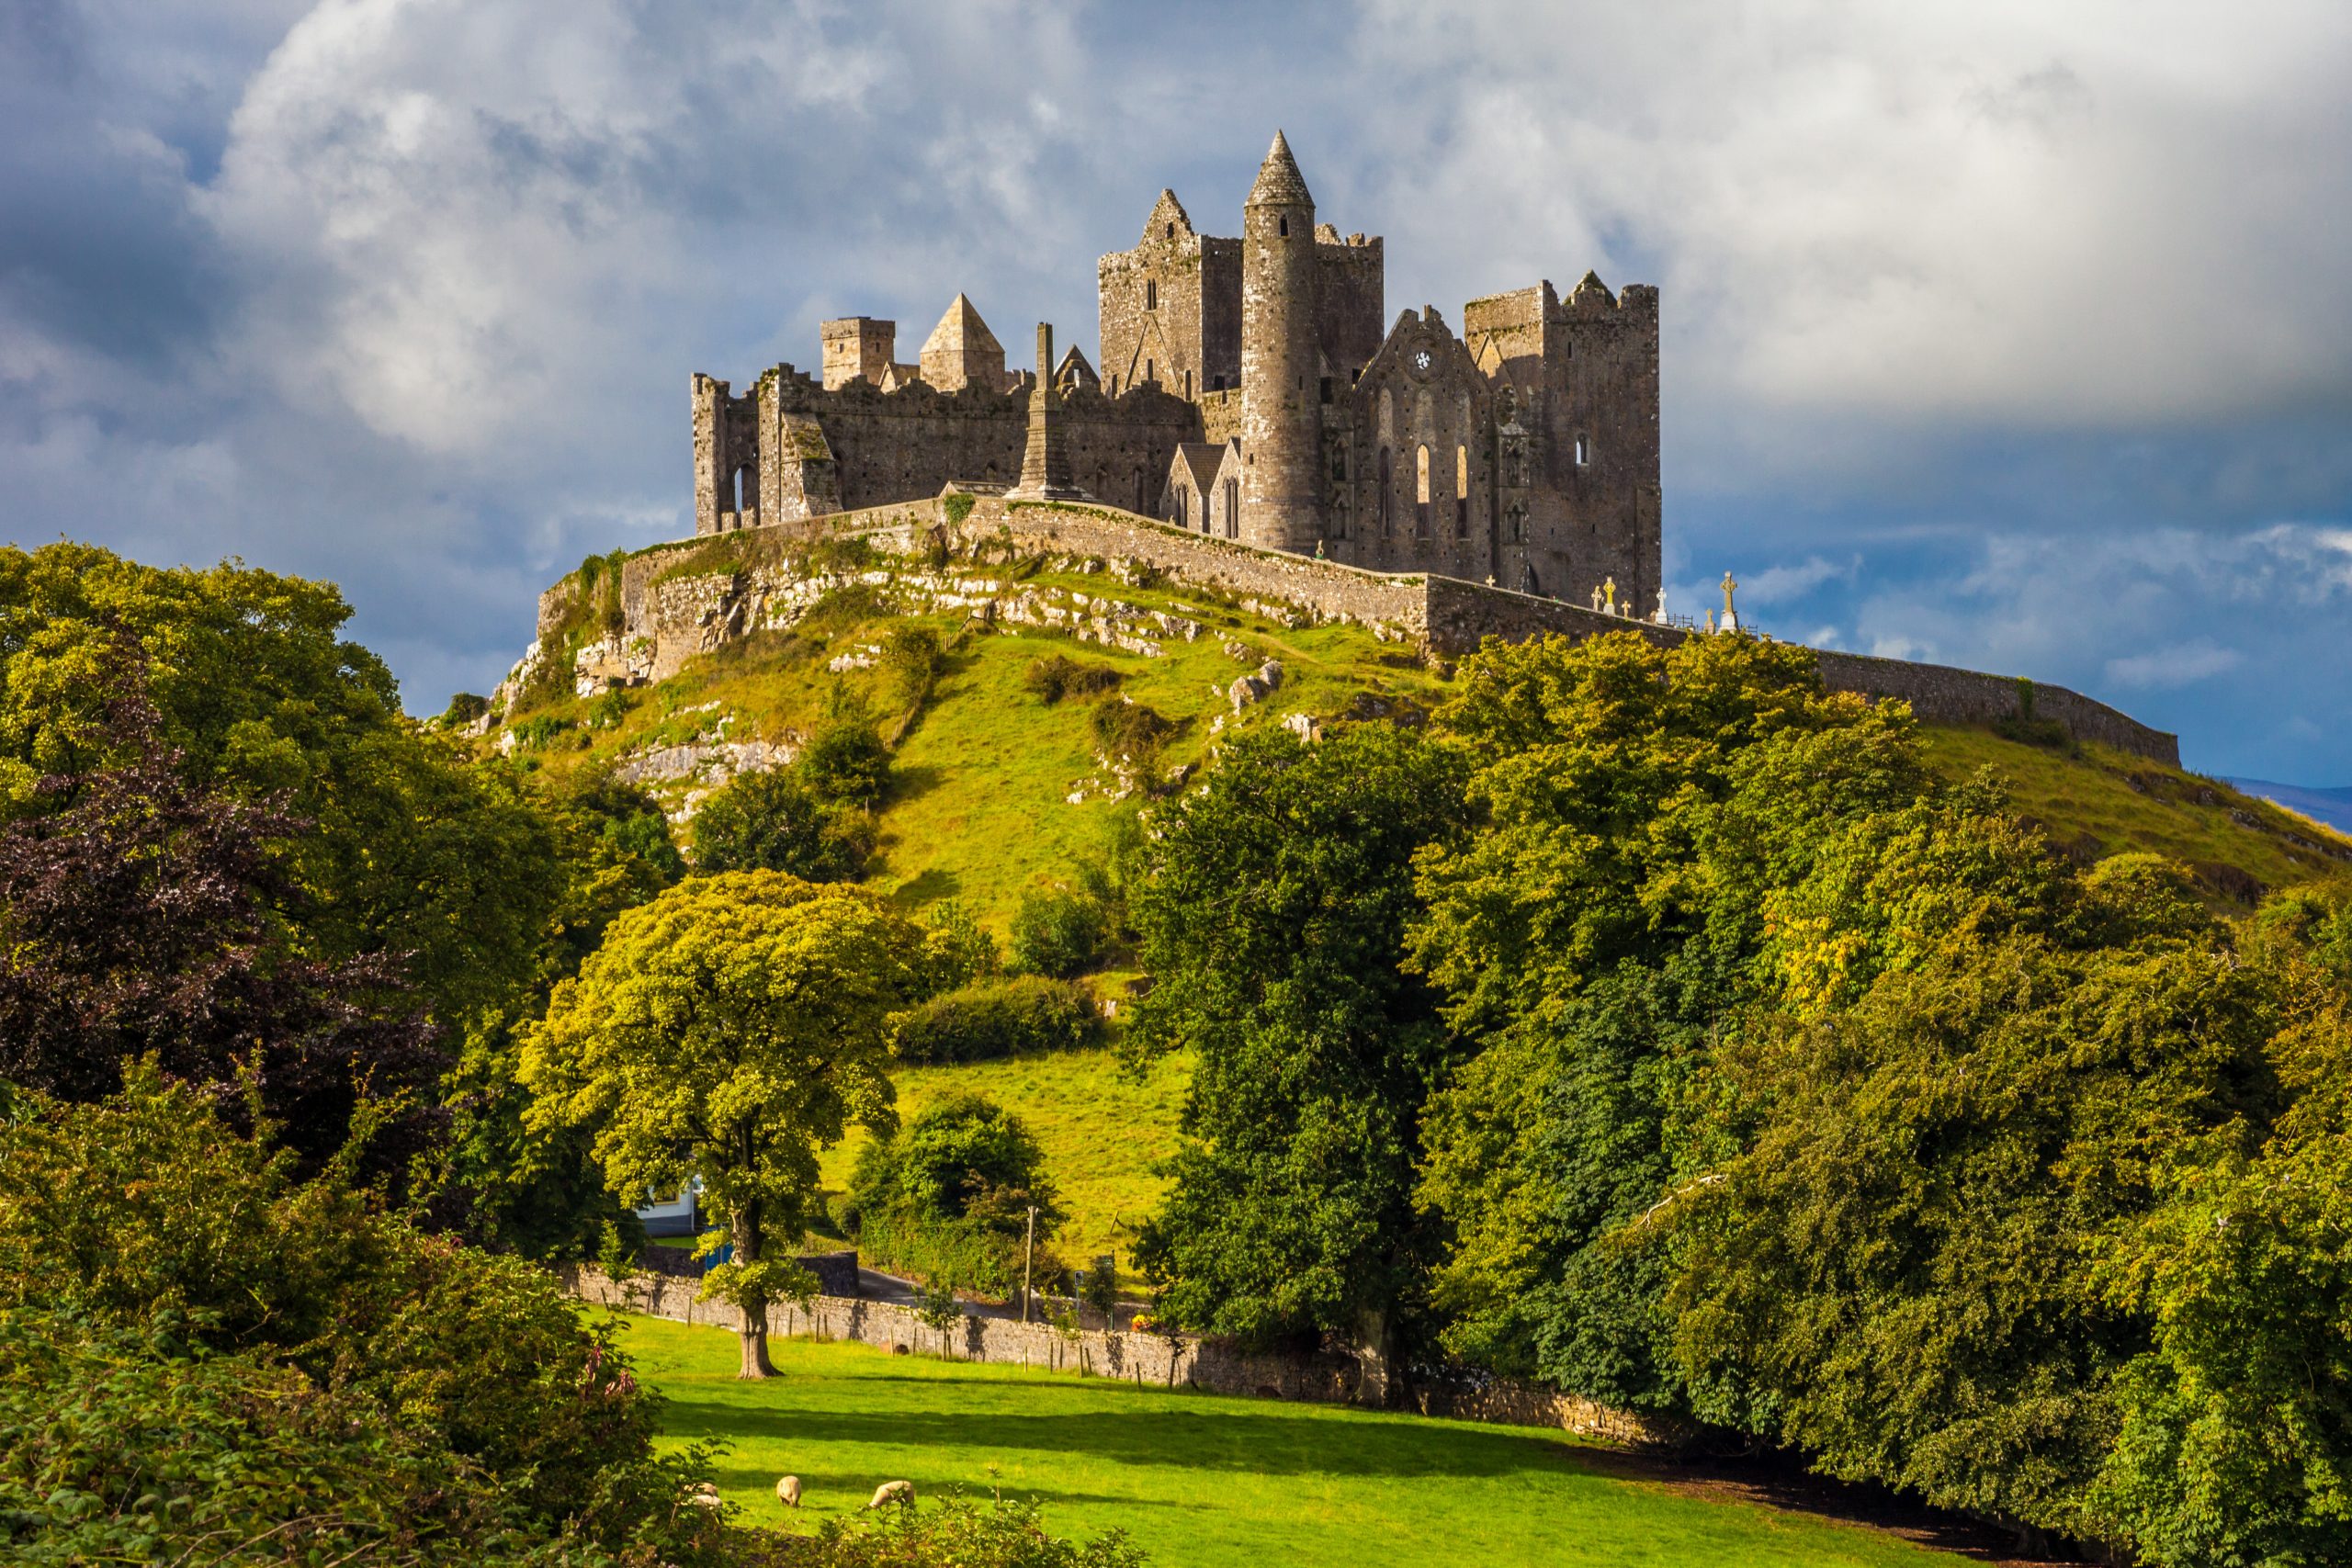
893, 1492
787, 1491
704, 1495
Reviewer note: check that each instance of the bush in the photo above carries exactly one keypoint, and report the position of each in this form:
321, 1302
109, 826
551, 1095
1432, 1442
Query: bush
957, 950
774, 821
538, 732
1002, 1534
914, 658
1056, 676
846, 762
949, 1197
1028, 1015
1131, 729
195, 1298
1059, 933
464, 708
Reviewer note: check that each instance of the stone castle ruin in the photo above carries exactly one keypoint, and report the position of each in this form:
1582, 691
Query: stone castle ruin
1253, 429
1247, 391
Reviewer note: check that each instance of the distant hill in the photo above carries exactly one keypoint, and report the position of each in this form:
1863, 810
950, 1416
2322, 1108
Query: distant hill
2333, 807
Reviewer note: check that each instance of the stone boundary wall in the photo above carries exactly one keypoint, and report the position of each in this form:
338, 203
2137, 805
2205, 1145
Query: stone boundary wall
1160, 1360
1445, 616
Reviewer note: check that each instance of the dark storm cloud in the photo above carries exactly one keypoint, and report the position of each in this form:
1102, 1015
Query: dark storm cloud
2008, 335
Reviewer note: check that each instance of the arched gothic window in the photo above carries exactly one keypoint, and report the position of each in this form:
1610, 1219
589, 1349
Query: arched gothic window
1387, 494
1151, 294
1462, 492
1421, 494
1233, 509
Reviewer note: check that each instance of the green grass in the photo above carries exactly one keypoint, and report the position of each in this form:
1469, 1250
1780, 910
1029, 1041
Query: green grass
1100, 1131
979, 806
2102, 802
1199, 1480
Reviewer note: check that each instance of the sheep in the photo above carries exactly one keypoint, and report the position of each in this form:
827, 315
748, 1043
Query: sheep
787, 1491
704, 1495
893, 1492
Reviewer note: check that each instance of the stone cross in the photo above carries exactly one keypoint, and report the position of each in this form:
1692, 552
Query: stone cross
1728, 585
1711, 622
1609, 589
1596, 596
1659, 616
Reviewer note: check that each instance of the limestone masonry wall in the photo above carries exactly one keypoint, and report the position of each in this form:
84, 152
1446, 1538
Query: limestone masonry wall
675, 610
1161, 1360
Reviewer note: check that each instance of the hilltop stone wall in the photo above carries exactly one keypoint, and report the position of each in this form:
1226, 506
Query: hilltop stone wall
696, 595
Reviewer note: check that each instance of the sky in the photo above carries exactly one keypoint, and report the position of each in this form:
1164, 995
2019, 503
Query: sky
2005, 334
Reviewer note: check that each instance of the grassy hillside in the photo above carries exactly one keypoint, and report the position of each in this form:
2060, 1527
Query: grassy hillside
1199, 1480
980, 805
996, 791
2093, 801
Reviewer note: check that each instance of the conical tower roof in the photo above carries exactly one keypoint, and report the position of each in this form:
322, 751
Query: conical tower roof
1278, 181
961, 331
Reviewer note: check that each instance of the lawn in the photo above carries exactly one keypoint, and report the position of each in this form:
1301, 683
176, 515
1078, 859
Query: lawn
1197, 1480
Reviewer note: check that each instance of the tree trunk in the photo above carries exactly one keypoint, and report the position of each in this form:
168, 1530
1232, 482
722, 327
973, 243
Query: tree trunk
1374, 1351
754, 1305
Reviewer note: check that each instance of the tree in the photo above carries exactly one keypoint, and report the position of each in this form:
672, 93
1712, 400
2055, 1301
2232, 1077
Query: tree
409, 849
774, 821
1637, 810
729, 1029
136, 919
1273, 904
950, 1194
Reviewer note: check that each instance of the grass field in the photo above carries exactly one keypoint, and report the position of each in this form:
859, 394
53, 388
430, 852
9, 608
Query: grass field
1199, 1480
1100, 1131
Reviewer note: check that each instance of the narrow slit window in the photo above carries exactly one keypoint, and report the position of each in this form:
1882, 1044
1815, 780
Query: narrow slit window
1151, 294
1584, 450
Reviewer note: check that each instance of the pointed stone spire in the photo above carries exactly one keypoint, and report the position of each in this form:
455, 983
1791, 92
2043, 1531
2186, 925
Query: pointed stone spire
961, 351
1279, 182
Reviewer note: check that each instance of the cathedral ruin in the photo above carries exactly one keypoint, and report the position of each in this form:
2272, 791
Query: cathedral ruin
1247, 391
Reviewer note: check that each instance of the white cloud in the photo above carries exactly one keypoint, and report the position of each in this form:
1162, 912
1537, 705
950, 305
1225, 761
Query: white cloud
2180, 665
2080, 214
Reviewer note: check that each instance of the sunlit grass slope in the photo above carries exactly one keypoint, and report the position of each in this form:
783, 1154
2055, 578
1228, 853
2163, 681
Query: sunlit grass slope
2094, 802
980, 807
1201, 1481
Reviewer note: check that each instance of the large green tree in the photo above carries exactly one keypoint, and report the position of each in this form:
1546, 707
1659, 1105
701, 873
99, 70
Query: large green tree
1272, 903
728, 1030
1595, 936
409, 851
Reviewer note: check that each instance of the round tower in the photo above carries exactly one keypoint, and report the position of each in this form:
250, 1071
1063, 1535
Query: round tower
1281, 415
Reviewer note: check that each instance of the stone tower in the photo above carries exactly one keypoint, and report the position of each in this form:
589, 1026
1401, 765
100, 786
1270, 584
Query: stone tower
1281, 424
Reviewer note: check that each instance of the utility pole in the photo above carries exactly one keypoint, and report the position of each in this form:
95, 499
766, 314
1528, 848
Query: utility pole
1028, 1253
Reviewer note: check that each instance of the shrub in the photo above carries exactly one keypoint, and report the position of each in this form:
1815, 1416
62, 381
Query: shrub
957, 508
957, 950
1131, 729
948, 1196
1058, 675
914, 659
1058, 933
1027, 1015
774, 821
464, 708
1002, 1534
846, 762
195, 1298
538, 732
